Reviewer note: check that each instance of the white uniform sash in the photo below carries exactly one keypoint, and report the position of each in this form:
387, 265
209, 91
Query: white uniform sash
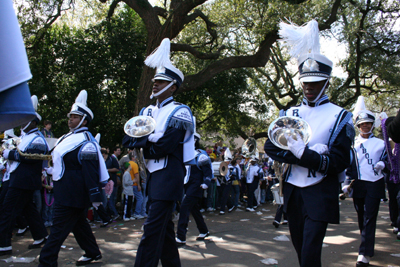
322, 120
27, 141
172, 115
68, 143
369, 152
251, 172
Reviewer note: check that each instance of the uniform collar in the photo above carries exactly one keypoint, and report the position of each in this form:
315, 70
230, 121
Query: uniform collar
80, 130
165, 102
33, 130
369, 137
323, 100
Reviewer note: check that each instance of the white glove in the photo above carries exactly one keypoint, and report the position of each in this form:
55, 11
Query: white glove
380, 165
5, 153
320, 149
383, 115
345, 189
154, 137
49, 170
203, 186
296, 146
2, 167
96, 205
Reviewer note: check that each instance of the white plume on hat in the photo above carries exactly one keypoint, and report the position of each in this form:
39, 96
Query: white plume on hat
35, 103
80, 106
300, 39
97, 137
227, 155
303, 44
165, 70
160, 56
360, 112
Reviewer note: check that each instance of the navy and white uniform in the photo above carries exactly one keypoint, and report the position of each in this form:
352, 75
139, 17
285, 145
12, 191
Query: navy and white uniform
252, 179
368, 187
226, 187
23, 178
78, 169
166, 160
311, 185
196, 175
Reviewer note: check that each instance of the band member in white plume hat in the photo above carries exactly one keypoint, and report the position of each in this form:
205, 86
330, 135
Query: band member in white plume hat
78, 169
368, 186
24, 179
311, 183
167, 150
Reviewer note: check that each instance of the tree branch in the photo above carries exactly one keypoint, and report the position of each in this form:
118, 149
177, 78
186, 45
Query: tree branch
196, 53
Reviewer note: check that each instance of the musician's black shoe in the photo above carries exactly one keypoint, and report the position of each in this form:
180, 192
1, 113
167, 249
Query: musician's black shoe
362, 261
201, 237
179, 243
86, 260
5, 250
21, 232
276, 224
106, 223
37, 243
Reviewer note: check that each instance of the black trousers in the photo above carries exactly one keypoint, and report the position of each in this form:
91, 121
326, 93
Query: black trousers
394, 203
307, 235
16, 202
127, 206
158, 240
367, 212
251, 198
279, 213
189, 205
66, 220
225, 199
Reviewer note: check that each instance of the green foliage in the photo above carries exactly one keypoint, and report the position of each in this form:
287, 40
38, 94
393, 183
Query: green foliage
105, 59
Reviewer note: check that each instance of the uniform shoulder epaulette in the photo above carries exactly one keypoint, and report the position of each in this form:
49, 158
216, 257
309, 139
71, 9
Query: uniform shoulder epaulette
88, 151
203, 160
38, 143
181, 118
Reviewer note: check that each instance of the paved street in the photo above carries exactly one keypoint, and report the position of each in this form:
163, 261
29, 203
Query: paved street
237, 239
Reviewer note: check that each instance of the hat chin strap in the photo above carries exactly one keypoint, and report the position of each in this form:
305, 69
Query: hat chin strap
23, 129
320, 93
163, 90
79, 125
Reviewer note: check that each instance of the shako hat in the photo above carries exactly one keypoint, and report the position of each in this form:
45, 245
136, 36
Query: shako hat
361, 114
80, 107
303, 43
160, 59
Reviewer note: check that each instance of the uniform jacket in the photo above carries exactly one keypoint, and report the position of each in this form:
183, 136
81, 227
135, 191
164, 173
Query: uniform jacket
78, 185
321, 198
201, 173
167, 182
366, 153
28, 172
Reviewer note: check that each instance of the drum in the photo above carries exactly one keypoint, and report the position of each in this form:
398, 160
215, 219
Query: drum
275, 193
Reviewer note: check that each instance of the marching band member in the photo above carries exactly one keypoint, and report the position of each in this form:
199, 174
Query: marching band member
167, 150
226, 185
78, 170
369, 185
311, 185
198, 177
25, 176
252, 178
393, 179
